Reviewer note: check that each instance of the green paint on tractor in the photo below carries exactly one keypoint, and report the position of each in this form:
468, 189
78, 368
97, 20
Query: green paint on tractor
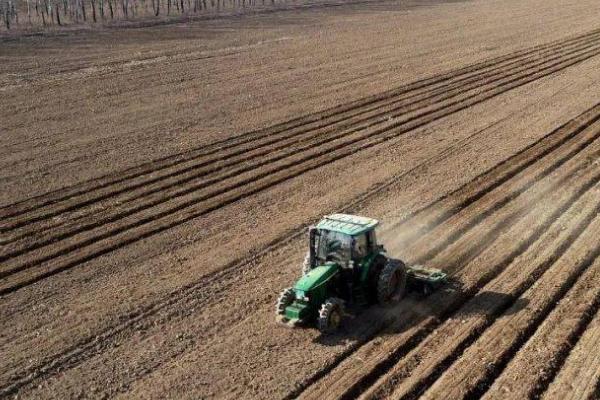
316, 277
346, 267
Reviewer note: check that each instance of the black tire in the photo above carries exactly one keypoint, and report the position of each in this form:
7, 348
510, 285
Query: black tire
286, 298
373, 280
306, 264
330, 315
391, 284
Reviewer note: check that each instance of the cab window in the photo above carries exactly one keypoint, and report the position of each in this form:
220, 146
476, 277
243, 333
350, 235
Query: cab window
333, 246
361, 246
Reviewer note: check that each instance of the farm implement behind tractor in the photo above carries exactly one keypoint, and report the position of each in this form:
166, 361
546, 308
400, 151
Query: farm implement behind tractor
345, 266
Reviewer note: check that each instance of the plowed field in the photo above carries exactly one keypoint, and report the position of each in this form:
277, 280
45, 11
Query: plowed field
158, 183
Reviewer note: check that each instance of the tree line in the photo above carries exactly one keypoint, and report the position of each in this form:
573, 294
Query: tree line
45, 13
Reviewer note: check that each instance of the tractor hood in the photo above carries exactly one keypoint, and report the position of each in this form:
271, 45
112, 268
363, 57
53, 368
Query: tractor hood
316, 277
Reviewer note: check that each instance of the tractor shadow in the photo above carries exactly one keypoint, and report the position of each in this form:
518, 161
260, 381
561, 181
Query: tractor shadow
366, 324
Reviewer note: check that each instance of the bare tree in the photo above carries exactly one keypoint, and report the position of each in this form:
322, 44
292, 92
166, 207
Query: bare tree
5, 13
83, 10
124, 6
29, 11
43, 18
57, 11
93, 9
15, 11
63, 12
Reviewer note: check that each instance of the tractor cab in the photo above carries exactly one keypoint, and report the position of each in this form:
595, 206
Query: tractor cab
344, 239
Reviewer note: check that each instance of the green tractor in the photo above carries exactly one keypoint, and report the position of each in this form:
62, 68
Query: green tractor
345, 266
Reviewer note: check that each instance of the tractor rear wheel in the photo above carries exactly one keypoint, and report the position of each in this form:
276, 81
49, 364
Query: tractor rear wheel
285, 299
373, 280
330, 315
391, 284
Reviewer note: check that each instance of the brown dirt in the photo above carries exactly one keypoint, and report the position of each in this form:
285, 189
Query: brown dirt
422, 363
578, 378
157, 185
541, 357
477, 366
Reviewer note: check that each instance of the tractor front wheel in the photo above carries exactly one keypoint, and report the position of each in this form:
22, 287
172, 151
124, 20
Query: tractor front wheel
391, 284
285, 299
330, 315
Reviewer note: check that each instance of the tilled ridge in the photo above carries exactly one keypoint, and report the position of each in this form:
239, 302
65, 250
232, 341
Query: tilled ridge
302, 124
423, 221
579, 378
94, 311
195, 294
536, 364
482, 362
415, 372
434, 244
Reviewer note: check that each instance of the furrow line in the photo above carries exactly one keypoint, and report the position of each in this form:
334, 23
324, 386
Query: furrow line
530, 372
424, 220
111, 179
331, 156
95, 344
351, 381
223, 161
455, 225
128, 209
579, 377
549, 239
483, 361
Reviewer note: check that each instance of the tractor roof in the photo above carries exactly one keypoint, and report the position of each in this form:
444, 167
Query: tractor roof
347, 224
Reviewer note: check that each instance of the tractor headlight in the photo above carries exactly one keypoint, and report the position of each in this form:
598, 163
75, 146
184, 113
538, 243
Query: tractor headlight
301, 295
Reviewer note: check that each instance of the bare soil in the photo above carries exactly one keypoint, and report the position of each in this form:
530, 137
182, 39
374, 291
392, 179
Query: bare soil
158, 182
